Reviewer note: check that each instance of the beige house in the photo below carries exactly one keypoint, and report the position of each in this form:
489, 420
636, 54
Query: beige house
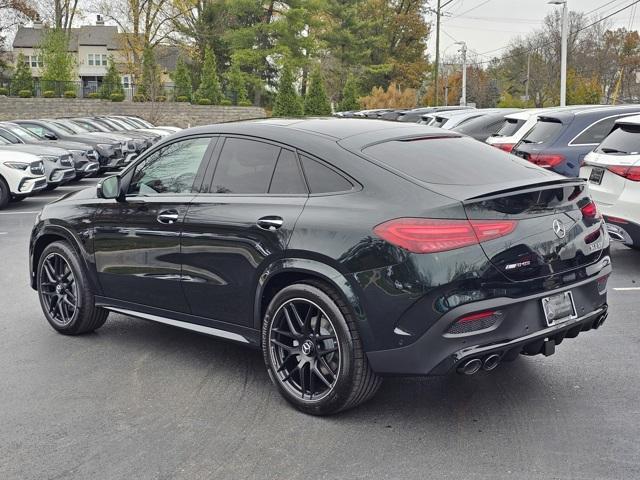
92, 45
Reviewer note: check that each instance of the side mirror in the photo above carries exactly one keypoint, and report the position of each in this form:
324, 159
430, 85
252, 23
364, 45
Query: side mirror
109, 187
50, 136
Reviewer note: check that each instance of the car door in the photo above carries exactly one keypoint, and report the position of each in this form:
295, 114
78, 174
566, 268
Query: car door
239, 226
137, 239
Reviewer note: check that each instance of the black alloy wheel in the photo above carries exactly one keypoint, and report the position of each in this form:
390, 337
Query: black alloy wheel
58, 289
304, 349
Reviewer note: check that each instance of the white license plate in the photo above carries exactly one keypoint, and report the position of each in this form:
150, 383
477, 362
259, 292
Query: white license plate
559, 308
596, 175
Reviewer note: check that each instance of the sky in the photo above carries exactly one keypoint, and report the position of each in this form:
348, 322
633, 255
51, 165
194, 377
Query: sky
487, 25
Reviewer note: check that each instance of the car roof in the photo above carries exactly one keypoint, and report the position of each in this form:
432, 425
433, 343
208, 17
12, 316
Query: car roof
567, 115
631, 120
326, 128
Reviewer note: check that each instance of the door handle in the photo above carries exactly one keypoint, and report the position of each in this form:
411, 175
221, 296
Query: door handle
270, 223
168, 217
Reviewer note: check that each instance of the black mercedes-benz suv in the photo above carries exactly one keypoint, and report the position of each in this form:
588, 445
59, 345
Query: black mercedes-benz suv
345, 250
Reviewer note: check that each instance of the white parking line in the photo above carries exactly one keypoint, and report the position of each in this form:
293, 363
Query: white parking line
627, 289
19, 213
3, 233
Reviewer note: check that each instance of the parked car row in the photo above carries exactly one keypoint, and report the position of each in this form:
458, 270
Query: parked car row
39, 154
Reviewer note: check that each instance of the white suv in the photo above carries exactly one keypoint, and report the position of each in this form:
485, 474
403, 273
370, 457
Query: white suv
613, 171
21, 174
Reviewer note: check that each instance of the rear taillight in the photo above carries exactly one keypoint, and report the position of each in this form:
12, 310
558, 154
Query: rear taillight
590, 210
546, 160
507, 147
630, 173
423, 235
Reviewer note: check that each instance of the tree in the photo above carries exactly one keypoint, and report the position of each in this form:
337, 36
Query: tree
209, 84
350, 95
22, 79
181, 77
582, 91
58, 62
111, 82
315, 101
287, 103
149, 86
237, 84
393, 97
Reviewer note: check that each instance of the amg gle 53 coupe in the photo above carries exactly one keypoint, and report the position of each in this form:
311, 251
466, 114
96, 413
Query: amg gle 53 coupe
344, 250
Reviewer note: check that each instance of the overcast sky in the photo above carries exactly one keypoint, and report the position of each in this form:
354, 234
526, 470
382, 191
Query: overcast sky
487, 25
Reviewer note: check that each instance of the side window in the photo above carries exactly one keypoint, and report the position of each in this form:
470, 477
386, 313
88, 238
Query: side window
37, 129
322, 179
244, 166
596, 132
170, 170
287, 178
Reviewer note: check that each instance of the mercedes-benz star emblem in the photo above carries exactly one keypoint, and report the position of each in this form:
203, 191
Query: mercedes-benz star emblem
558, 229
307, 347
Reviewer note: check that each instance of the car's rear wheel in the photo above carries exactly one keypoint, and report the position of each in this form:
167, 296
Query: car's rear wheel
64, 293
313, 351
5, 194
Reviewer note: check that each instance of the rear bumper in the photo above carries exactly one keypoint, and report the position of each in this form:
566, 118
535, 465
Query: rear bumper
622, 230
523, 329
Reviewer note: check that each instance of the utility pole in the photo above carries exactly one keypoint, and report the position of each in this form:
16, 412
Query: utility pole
435, 104
463, 50
563, 50
526, 86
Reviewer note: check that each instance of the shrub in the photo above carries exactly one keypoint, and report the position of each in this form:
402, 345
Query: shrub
182, 98
24, 93
204, 101
93, 95
226, 102
161, 98
138, 98
245, 103
48, 94
4, 91
69, 94
117, 97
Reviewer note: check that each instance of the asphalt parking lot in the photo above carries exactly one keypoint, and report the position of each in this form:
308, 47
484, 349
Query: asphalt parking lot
138, 400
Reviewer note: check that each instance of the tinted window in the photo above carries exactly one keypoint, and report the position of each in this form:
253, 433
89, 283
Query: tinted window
624, 140
37, 129
596, 132
452, 161
287, 177
170, 170
9, 137
245, 166
322, 179
544, 131
509, 127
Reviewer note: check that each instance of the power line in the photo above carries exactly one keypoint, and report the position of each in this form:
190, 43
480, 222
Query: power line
601, 7
471, 9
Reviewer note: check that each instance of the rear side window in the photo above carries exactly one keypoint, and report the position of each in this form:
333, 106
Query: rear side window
287, 178
449, 161
322, 179
245, 167
544, 132
596, 132
509, 127
624, 140
9, 137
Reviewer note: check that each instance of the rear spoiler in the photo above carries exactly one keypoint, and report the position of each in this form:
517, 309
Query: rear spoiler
527, 188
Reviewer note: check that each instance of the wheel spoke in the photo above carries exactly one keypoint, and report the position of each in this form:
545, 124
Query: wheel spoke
327, 367
326, 337
48, 294
321, 376
48, 270
286, 334
322, 353
288, 348
69, 303
312, 383
297, 315
61, 311
289, 321
286, 378
303, 382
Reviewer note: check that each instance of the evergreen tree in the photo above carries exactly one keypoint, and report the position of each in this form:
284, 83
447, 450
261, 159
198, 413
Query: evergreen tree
22, 79
350, 95
111, 82
209, 84
237, 84
288, 102
316, 101
149, 86
58, 62
182, 80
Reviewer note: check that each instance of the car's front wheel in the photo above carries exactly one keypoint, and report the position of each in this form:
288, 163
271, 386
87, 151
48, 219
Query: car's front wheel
63, 289
313, 351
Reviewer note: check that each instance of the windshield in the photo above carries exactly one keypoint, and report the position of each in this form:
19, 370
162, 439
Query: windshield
544, 131
72, 127
8, 136
449, 160
58, 127
121, 125
509, 127
624, 140
23, 134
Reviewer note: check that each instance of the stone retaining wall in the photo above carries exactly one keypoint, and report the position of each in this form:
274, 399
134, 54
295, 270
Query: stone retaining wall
165, 113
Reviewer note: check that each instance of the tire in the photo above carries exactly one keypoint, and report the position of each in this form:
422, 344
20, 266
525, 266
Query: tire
83, 316
312, 340
50, 187
5, 194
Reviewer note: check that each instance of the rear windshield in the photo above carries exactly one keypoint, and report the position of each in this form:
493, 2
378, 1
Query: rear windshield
509, 127
450, 161
544, 131
624, 140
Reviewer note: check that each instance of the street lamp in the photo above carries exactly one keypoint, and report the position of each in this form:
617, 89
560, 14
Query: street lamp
563, 50
463, 50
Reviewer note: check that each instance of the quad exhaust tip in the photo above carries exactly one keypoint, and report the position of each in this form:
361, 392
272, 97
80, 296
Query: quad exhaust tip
491, 362
471, 367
